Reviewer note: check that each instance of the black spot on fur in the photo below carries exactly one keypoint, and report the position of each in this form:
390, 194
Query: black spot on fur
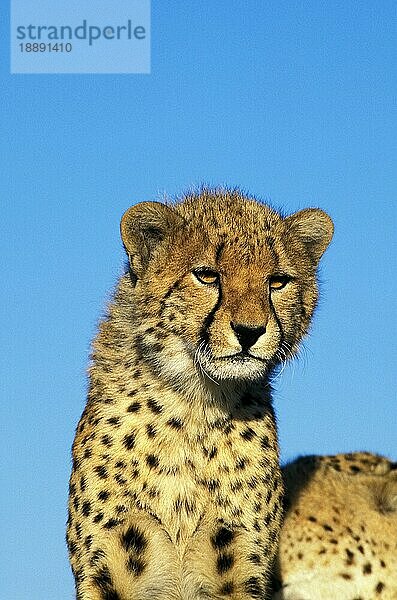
212, 453
134, 407
229, 427
88, 542
133, 539
78, 530
248, 434
268, 496
252, 482
236, 486
265, 443
241, 463
103, 581
154, 406
175, 423
211, 484
227, 588
86, 508
102, 578
367, 569
98, 517
255, 558
224, 562
152, 461
108, 401
151, 431
222, 538
115, 421
103, 495
101, 471
87, 453
111, 523
253, 587
96, 557
157, 347
72, 547
120, 479
129, 441
135, 566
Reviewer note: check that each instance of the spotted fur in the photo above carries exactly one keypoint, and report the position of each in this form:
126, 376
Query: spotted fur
339, 538
176, 491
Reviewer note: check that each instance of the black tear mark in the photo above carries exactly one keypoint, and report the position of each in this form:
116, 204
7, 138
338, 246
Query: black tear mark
203, 335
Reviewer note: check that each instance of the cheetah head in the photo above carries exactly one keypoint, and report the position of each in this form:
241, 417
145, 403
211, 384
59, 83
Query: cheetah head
223, 286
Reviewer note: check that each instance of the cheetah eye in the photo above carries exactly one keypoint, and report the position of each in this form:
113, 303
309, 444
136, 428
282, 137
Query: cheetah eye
206, 275
277, 282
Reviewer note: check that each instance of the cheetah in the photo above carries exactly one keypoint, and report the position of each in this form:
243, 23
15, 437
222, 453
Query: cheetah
176, 489
339, 538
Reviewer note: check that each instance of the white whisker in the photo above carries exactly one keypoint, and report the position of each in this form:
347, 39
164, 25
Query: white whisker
205, 351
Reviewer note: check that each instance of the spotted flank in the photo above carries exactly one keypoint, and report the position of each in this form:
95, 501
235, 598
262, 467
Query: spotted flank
339, 538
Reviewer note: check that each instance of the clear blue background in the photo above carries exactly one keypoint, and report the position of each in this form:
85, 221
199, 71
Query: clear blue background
293, 101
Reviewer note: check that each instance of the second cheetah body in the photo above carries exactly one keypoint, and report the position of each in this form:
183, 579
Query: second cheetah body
176, 491
339, 537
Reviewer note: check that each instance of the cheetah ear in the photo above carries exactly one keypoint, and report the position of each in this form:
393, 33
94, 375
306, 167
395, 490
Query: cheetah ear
314, 228
143, 227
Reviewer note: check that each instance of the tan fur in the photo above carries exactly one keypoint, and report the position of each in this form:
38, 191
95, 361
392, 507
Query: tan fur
339, 538
176, 490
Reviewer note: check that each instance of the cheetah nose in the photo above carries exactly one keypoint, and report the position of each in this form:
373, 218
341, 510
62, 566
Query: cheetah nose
247, 335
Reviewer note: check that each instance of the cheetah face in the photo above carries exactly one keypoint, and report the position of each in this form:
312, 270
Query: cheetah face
226, 285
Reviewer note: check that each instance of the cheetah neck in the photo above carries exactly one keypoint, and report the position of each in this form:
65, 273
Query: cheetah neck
120, 370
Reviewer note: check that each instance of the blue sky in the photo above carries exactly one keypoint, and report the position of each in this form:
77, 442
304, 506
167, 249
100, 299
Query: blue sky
291, 101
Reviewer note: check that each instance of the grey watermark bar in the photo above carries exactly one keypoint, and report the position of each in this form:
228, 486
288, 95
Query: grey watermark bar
88, 36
